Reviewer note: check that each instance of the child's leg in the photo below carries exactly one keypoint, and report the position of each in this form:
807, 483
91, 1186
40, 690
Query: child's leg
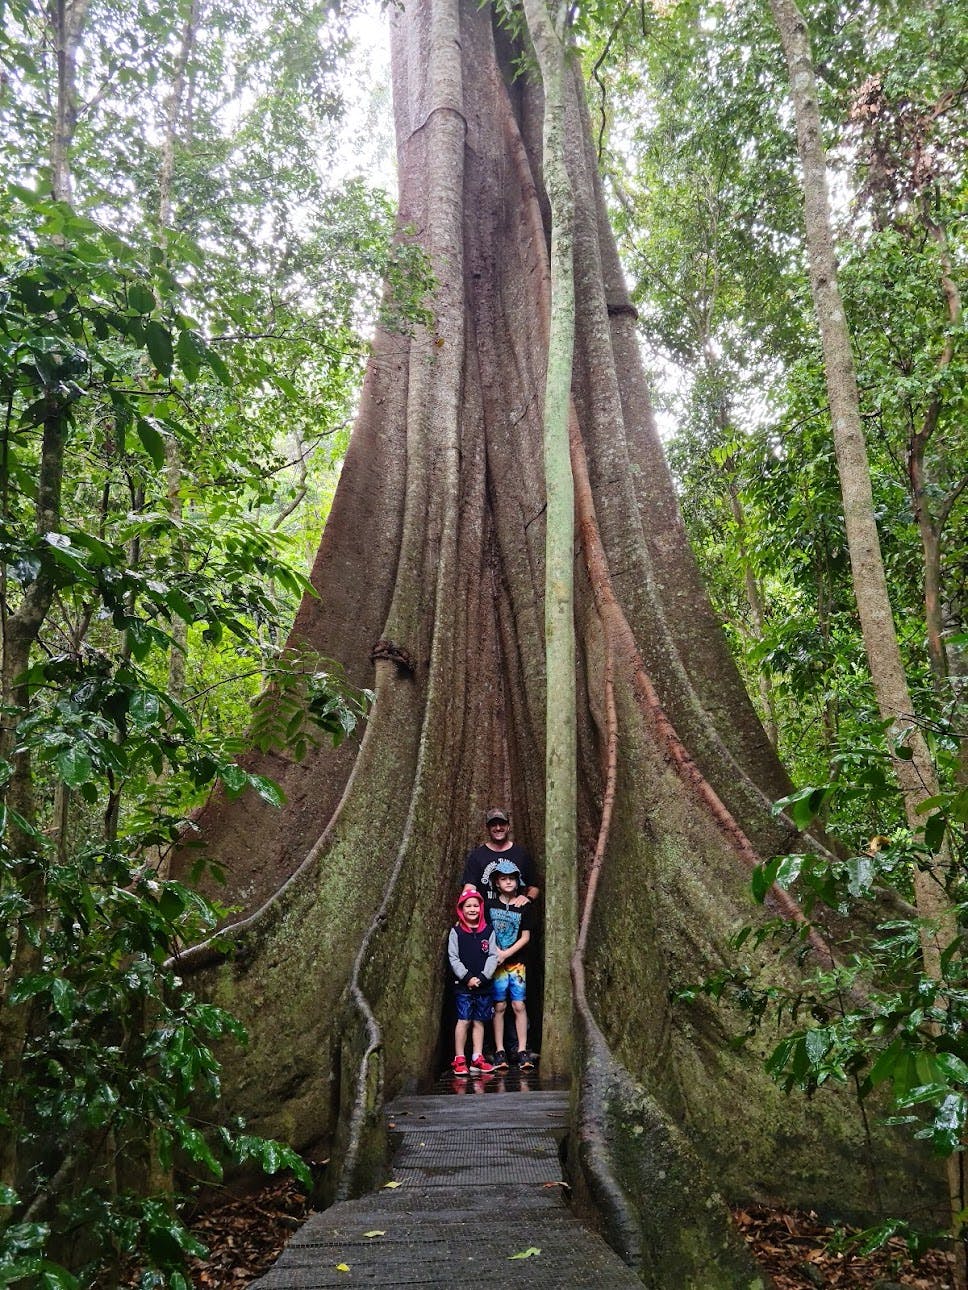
460, 1038
520, 1023
517, 989
477, 1034
499, 1025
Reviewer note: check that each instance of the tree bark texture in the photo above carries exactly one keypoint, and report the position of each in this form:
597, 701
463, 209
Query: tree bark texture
435, 548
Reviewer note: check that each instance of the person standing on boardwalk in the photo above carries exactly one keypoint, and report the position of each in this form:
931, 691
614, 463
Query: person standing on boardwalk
481, 861
512, 932
472, 953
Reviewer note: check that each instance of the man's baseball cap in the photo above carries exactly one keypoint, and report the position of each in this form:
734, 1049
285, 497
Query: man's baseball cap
496, 815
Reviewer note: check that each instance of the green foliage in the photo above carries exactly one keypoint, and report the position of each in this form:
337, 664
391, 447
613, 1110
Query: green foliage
115, 1055
699, 160
177, 374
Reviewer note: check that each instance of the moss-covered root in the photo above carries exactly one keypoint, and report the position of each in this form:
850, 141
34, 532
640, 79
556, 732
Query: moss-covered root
654, 1203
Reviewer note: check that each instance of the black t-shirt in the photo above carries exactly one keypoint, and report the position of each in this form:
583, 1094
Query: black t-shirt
481, 858
508, 923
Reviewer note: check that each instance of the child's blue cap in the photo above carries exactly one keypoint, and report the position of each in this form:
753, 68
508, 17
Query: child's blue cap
506, 866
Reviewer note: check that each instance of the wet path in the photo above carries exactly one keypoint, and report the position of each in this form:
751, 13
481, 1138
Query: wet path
479, 1181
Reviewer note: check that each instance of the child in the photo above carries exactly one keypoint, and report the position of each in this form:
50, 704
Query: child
512, 930
472, 952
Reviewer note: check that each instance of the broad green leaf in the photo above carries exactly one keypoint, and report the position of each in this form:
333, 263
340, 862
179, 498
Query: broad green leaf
141, 298
218, 366
158, 343
860, 873
764, 876
267, 790
74, 766
144, 708
817, 1044
934, 830
234, 778
152, 442
191, 353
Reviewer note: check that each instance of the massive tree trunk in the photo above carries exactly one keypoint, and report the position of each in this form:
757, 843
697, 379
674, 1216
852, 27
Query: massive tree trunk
431, 573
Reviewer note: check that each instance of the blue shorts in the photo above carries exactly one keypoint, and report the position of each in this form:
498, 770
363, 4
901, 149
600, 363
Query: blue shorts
510, 981
474, 1005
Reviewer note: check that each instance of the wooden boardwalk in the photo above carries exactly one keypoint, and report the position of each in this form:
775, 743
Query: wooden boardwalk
480, 1181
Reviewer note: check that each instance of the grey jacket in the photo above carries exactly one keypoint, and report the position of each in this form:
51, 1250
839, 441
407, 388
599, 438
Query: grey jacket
471, 954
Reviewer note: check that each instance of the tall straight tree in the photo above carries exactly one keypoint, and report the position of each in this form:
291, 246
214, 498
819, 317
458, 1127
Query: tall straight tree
915, 771
431, 573
548, 26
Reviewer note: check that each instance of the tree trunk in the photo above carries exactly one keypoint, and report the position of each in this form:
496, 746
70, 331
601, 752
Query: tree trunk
561, 804
69, 18
436, 545
21, 629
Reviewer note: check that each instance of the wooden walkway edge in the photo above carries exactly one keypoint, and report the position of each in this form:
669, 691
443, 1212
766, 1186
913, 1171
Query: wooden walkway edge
479, 1182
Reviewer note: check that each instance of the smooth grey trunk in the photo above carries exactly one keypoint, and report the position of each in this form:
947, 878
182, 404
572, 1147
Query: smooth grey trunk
69, 18
548, 31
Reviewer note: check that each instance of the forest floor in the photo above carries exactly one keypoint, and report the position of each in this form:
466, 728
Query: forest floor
246, 1235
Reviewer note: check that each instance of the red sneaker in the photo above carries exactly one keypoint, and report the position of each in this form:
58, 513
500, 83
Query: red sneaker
459, 1066
481, 1066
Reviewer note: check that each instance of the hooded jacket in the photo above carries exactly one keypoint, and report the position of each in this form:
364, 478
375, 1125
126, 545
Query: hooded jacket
472, 951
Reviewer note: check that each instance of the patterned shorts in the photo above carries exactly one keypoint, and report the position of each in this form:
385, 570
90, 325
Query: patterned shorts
509, 981
474, 1005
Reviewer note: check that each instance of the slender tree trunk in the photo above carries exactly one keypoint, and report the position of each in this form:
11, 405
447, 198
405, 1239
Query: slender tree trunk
916, 775
69, 17
548, 32
931, 526
21, 631
177, 107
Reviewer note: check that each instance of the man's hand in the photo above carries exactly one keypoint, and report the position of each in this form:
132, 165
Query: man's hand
519, 901
474, 982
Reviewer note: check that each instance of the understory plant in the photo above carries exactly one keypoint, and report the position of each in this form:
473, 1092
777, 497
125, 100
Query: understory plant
110, 1066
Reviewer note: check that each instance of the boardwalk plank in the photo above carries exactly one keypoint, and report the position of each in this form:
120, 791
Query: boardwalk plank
480, 1181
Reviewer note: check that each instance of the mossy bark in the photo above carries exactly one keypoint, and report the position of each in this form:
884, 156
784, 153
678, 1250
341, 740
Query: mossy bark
437, 542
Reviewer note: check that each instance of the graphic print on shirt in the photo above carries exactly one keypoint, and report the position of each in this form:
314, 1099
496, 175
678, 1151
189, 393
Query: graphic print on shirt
507, 925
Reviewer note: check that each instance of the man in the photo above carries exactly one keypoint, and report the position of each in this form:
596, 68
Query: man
481, 861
